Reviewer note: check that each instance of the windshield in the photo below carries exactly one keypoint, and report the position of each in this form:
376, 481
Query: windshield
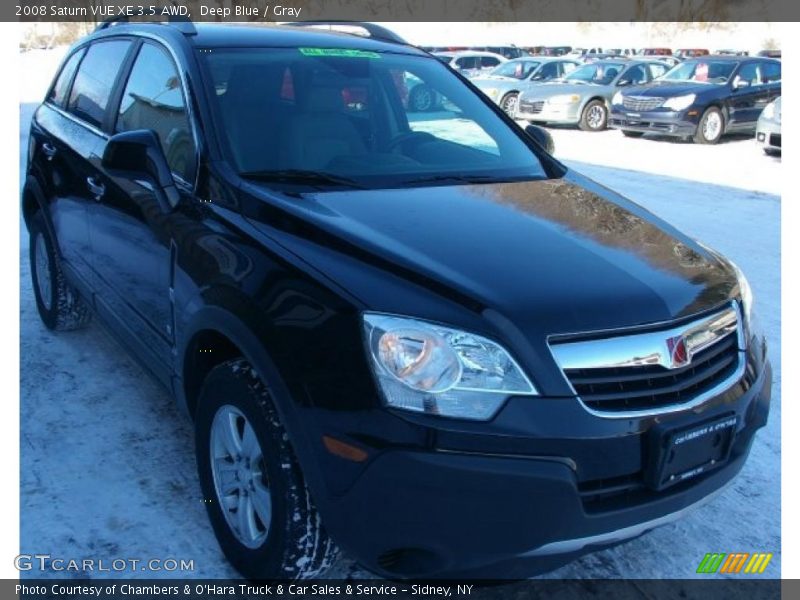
702, 71
324, 118
518, 69
597, 73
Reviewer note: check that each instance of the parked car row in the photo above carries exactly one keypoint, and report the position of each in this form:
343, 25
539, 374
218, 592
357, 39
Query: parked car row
701, 98
512, 51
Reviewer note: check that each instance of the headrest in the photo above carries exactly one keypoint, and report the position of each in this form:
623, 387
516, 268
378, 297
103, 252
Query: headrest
325, 99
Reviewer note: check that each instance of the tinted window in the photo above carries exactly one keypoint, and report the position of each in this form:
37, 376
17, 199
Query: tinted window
153, 99
489, 61
636, 75
467, 62
548, 71
94, 80
770, 72
59, 90
354, 118
749, 73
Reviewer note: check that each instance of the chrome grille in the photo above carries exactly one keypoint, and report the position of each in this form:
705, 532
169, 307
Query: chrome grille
531, 107
633, 373
641, 103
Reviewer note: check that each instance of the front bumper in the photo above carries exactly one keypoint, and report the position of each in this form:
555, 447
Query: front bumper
455, 512
545, 112
768, 134
664, 122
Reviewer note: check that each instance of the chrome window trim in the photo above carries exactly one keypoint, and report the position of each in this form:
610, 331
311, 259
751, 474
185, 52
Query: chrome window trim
578, 355
179, 66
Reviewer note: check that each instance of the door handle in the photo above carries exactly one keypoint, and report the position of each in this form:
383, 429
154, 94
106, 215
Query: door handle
97, 189
49, 150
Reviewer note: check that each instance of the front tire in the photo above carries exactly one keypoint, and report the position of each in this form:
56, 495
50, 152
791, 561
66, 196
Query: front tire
60, 307
509, 103
422, 99
259, 506
594, 116
711, 127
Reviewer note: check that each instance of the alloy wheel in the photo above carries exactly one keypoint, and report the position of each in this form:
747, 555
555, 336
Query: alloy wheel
239, 474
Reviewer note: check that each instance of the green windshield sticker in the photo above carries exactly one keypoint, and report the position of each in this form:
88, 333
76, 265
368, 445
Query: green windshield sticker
343, 52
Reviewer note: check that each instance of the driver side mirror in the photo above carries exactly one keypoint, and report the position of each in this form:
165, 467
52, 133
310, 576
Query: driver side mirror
138, 155
542, 137
739, 83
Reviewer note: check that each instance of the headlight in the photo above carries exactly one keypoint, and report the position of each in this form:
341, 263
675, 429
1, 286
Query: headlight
680, 102
769, 110
429, 368
564, 99
617, 99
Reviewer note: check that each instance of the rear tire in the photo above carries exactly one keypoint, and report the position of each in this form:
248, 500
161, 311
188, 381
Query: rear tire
60, 307
594, 116
711, 127
632, 134
255, 473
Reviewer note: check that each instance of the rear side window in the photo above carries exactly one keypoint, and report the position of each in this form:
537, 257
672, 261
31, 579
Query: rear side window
489, 61
770, 72
95, 79
153, 99
58, 93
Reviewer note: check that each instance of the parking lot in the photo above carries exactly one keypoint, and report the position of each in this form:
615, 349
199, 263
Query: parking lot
107, 462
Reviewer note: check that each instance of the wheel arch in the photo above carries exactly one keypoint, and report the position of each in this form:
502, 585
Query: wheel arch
32, 201
215, 327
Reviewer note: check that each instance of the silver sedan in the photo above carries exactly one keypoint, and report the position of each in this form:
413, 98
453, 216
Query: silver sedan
583, 97
506, 81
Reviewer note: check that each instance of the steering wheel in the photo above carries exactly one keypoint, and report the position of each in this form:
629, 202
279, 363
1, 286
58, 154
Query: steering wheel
409, 136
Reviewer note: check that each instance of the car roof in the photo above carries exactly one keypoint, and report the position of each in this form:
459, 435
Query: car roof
729, 58
214, 35
460, 53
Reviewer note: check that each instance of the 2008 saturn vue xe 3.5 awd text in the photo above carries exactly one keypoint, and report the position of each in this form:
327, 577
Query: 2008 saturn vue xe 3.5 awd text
426, 342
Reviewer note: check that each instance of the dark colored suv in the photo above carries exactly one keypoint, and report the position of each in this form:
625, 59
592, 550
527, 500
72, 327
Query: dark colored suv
420, 337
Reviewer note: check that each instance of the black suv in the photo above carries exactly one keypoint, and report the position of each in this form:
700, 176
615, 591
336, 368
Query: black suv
423, 339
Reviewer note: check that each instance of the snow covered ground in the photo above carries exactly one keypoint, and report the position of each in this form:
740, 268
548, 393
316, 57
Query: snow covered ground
107, 464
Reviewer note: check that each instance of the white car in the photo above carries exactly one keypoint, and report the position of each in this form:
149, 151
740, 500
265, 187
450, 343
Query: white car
471, 63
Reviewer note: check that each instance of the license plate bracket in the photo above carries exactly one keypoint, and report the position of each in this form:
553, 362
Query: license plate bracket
679, 454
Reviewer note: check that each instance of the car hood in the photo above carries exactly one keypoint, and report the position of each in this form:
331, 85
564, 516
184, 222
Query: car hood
550, 89
553, 256
670, 88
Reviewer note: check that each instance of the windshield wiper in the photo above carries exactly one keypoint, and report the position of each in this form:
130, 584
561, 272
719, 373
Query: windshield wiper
301, 176
455, 179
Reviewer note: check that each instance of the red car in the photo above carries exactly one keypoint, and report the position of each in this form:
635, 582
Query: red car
656, 52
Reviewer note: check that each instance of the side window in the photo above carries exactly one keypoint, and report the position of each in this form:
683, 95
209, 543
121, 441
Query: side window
467, 62
770, 72
657, 70
749, 73
568, 67
489, 61
548, 71
153, 99
59, 90
636, 75
96, 75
